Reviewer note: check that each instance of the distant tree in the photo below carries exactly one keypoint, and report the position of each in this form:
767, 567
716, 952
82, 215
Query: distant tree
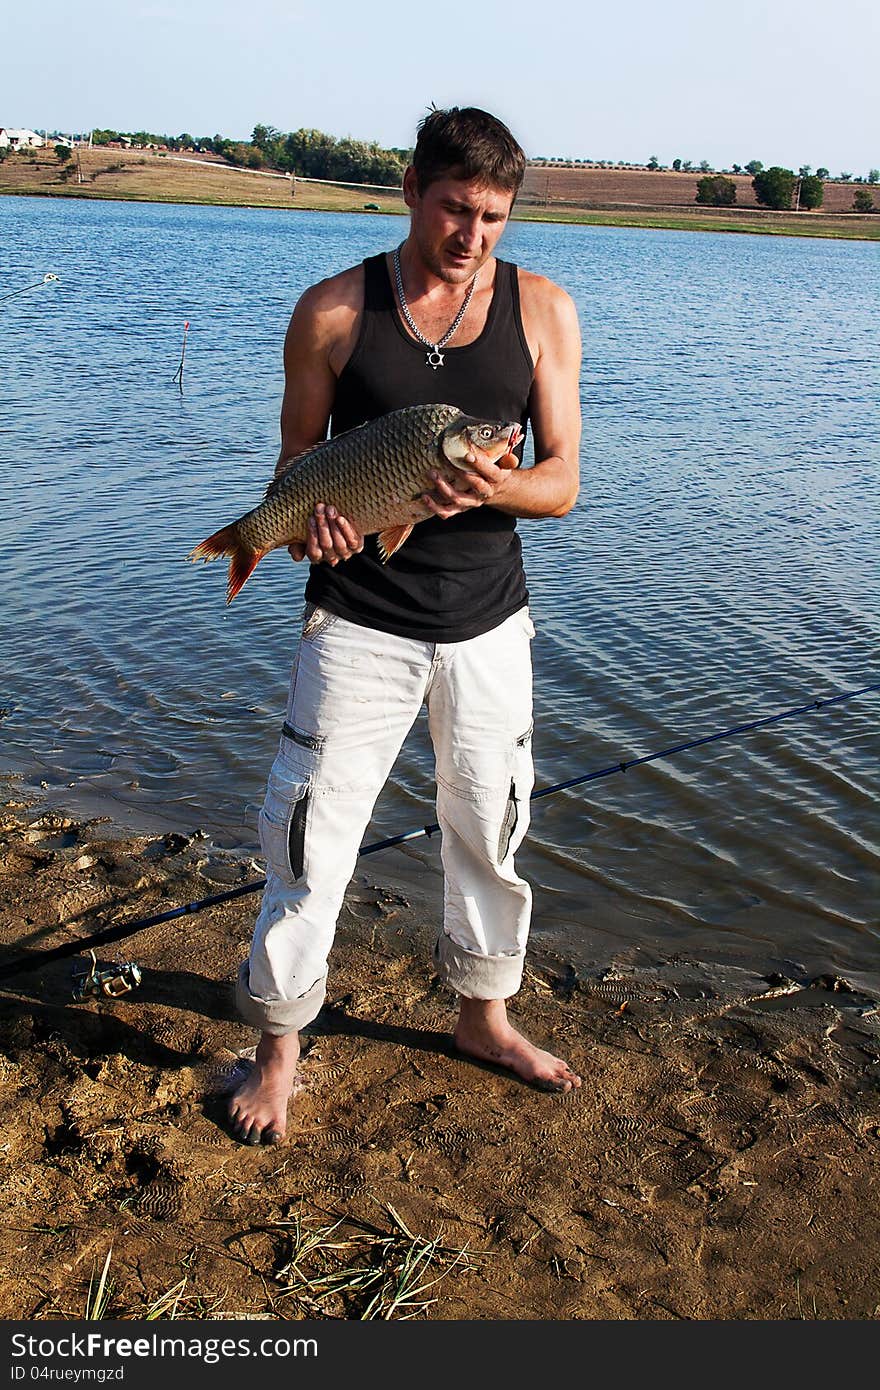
103, 137
874, 176
236, 152
774, 187
822, 172
844, 178
653, 163
687, 165
736, 168
264, 135
753, 167
812, 192
313, 154
804, 170
705, 166
863, 200
63, 152
676, 164
716, 191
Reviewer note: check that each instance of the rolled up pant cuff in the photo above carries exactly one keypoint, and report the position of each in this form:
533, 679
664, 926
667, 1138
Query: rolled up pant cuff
477, 976
278, 1016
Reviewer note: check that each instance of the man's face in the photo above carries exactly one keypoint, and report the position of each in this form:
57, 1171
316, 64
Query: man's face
455, 224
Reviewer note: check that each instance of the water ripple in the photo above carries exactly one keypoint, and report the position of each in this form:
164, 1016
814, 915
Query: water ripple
720, 565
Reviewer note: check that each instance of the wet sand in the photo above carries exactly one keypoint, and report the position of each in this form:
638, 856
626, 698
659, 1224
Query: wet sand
720, 1161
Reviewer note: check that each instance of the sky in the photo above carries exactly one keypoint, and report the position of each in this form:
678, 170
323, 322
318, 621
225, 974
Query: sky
788, 82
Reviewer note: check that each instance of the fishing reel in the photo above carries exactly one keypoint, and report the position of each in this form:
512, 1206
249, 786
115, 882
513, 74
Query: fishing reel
115, 980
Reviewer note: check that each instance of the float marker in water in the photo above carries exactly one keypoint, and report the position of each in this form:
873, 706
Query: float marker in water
178, 375
36, 285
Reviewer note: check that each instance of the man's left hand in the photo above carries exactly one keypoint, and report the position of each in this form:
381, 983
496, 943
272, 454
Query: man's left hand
473, 488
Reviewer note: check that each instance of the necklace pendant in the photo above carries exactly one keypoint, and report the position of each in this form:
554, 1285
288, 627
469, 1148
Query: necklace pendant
434, 358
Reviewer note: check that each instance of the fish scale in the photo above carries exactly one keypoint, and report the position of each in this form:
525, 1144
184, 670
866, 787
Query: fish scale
373, 475
376, 473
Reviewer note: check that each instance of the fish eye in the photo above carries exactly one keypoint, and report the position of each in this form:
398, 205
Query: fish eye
486, 432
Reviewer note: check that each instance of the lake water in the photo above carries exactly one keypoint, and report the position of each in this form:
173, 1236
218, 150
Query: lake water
720, 565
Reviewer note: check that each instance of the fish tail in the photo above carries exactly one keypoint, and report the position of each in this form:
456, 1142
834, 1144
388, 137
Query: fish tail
243, 560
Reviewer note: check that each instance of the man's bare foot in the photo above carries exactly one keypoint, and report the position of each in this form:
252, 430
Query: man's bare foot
483, 1031
258, 1109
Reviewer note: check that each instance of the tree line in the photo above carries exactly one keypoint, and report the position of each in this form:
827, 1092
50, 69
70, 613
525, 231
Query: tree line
309, 153
776, 188
314, 154
780, 189
754, 166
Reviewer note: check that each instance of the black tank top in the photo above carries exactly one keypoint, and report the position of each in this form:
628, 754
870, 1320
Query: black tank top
450, 580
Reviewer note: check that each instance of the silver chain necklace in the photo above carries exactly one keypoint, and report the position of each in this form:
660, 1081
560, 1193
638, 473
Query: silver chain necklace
434, 357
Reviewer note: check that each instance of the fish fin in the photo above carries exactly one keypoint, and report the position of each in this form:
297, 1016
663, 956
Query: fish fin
242, 560
392, 539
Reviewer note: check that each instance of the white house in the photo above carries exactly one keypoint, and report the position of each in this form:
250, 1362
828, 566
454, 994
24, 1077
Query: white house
21, 139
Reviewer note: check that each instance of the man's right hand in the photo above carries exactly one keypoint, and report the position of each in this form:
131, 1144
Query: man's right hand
331, 538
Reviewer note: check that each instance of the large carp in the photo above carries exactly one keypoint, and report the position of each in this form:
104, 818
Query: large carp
374, 475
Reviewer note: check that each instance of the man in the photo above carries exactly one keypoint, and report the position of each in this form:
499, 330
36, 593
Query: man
444, 622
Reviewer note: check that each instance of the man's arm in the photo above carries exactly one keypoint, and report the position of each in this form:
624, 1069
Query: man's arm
317, 345
550, 488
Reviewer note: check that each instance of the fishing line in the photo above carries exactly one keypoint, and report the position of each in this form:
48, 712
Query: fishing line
123, 929
45, 281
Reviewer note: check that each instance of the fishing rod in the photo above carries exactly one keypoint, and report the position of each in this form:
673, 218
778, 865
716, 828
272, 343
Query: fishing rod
45, 281
123, 929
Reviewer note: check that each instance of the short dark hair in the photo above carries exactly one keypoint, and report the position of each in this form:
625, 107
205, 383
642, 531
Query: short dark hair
467, 143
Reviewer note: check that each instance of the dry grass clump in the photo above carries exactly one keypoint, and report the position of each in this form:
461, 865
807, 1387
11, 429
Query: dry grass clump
338, 1269
393, 1281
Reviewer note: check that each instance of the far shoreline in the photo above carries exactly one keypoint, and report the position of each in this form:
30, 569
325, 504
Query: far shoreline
562, 218
319, 197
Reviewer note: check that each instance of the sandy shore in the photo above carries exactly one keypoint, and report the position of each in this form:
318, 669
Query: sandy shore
720, 1161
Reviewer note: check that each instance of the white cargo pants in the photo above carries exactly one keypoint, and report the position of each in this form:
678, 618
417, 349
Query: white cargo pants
354, 695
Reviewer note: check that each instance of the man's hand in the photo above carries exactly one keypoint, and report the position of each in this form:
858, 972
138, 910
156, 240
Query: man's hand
472, 488
331, 538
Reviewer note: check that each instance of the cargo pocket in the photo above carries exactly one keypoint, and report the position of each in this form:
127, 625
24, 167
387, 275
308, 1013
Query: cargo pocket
284, 822
512, 810
508, 823
314, 742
